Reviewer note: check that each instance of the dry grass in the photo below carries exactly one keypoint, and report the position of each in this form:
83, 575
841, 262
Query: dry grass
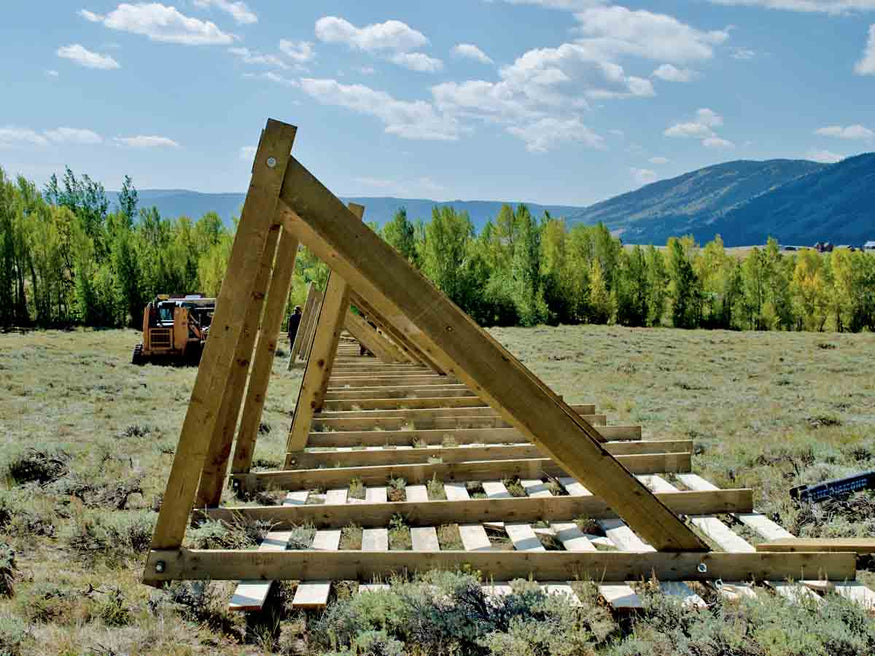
86, 442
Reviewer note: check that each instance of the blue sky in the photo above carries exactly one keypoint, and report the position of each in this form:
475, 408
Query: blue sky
551, 101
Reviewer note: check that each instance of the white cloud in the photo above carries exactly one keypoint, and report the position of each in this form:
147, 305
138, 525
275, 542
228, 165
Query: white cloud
671, 73
84, 57
52, 73
824, 156
391, 35
247, 153
276, 78
810, 6
241, 13
73, 135
709, 117
12, 136
470, 51
144, 141
298, 51
162, 23
545, 133
659, 160
407, 119
249, 57
366, 70
690, 129
866, 65
90, 16
417, 61
850, 132
743, 54
643, 176
620, 31
717, 142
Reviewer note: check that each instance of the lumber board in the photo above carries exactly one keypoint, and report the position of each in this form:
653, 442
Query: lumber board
258, 214
320, 361
488, 436
571, 537
375, 539
862, 546
414, 414
417, 380
682, 591
620, 596
397, 392
265, 351
251, 595
296, 498
416, 493
307, 346
212, 479
495, 509
306, 318
424, 538
446, 422
296, 479
622, 536
421, 402
193, 564
523, 537
474, 537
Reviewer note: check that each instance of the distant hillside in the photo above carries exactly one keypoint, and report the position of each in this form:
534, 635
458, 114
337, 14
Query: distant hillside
692, 202
173, 202
835, 203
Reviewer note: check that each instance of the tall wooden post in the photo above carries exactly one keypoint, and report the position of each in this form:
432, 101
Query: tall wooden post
335, 305
265, 350
271, 160
306, 318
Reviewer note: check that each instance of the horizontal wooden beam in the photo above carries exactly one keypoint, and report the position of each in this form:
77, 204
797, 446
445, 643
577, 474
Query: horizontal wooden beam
468, 511
485, 470
347, 380
599, 566
862, 546
312, 459
422, 402
397, 392
399, 423
481, 410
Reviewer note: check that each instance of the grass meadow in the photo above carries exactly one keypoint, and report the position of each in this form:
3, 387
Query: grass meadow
87, 440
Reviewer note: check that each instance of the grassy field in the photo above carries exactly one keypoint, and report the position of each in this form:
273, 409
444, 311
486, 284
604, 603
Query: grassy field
86, 442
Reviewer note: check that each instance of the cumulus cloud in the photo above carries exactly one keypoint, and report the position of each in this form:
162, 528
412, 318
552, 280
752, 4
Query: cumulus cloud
162, 23
470, 51
671, 73
52, 72
643, 176
824, 156
73, 135
866, 65
702, 128
390, 35
417, 61
546, 133
90, 16
87, 58
809, 6
145, 141
238, 10
248, 56
620, 31
717, 142
407, 119
13, 136
849, 132
659, 160
298, 51
743, 54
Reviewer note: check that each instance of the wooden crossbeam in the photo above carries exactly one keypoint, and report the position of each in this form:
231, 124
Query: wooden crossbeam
461, 348
422, 512
321, 359
213, 475
397, 392
456, 401
385, 350
257, 216
265, 350
446, 422
413, 414
303, 327
862, 546
500, 565
295, 479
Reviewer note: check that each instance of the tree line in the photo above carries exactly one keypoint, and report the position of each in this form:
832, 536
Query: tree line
68, 258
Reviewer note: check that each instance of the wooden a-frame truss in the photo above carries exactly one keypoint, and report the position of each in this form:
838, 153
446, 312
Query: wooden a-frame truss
434, 363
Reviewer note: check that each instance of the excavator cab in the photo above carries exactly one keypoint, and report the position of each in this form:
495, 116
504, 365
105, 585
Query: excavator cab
175, 329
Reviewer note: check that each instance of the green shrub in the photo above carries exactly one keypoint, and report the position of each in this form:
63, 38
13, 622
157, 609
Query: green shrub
115, 535
7, 570
13, 635
111, 608
38, 466
201, 602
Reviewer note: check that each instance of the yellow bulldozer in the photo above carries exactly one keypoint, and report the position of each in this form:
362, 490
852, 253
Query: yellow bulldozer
175, 329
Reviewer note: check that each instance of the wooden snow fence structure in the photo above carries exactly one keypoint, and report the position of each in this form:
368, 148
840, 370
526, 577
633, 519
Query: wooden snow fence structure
456, 408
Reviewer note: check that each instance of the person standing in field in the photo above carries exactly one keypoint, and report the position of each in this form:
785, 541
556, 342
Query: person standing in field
294, 322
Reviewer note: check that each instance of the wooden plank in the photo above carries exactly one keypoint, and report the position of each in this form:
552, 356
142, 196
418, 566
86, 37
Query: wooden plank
415, 414
496, 490
416, 493
321, 359
371, 339
337, 495
615, 566
375, 539
535, 487
456, 492
314, 594
622, 536
862, 546
464, 436
296, 479
447, 422
620, 596
424, 538
376, 495
563, 589
398, 392
461, 348
406, 403
251, 595
523, 537
265, 351
256, 217
306, 318
474, 537
682, 591
793, 592
296, 498
212, 479
571, 537
312, 327
435, 513
400, 456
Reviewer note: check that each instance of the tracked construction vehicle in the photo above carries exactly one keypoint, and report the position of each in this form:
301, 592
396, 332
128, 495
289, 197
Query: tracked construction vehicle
175, 329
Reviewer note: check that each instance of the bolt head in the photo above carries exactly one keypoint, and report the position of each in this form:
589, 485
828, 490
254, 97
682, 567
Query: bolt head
160, 566
271, 162
703, 568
